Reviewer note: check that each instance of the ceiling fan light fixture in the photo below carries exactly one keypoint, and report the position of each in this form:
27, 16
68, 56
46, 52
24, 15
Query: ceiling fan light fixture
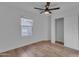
46, 12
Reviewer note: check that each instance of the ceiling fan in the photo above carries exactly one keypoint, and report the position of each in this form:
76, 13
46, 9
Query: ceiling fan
47, 10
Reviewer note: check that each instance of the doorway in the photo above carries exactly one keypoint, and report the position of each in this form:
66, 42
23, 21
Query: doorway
59, 30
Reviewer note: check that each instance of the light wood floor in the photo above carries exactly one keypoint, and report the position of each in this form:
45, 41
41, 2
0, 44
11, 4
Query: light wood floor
41, 49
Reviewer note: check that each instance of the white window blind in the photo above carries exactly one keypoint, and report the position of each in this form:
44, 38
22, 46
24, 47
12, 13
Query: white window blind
26, 27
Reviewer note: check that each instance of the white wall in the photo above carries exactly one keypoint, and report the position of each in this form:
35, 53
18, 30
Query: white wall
71, 31
10, 29
49, 27
52, 29
71, 39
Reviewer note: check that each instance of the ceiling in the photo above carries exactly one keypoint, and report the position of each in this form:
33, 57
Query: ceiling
29, 6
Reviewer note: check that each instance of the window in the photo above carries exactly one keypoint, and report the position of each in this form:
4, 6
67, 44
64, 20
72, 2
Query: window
26, 27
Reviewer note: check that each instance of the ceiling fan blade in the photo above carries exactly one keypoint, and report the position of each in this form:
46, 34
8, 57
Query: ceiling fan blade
42, 12
50, 12
55, 8
39, 8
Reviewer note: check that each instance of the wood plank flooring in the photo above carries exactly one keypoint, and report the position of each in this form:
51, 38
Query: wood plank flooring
41, 49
